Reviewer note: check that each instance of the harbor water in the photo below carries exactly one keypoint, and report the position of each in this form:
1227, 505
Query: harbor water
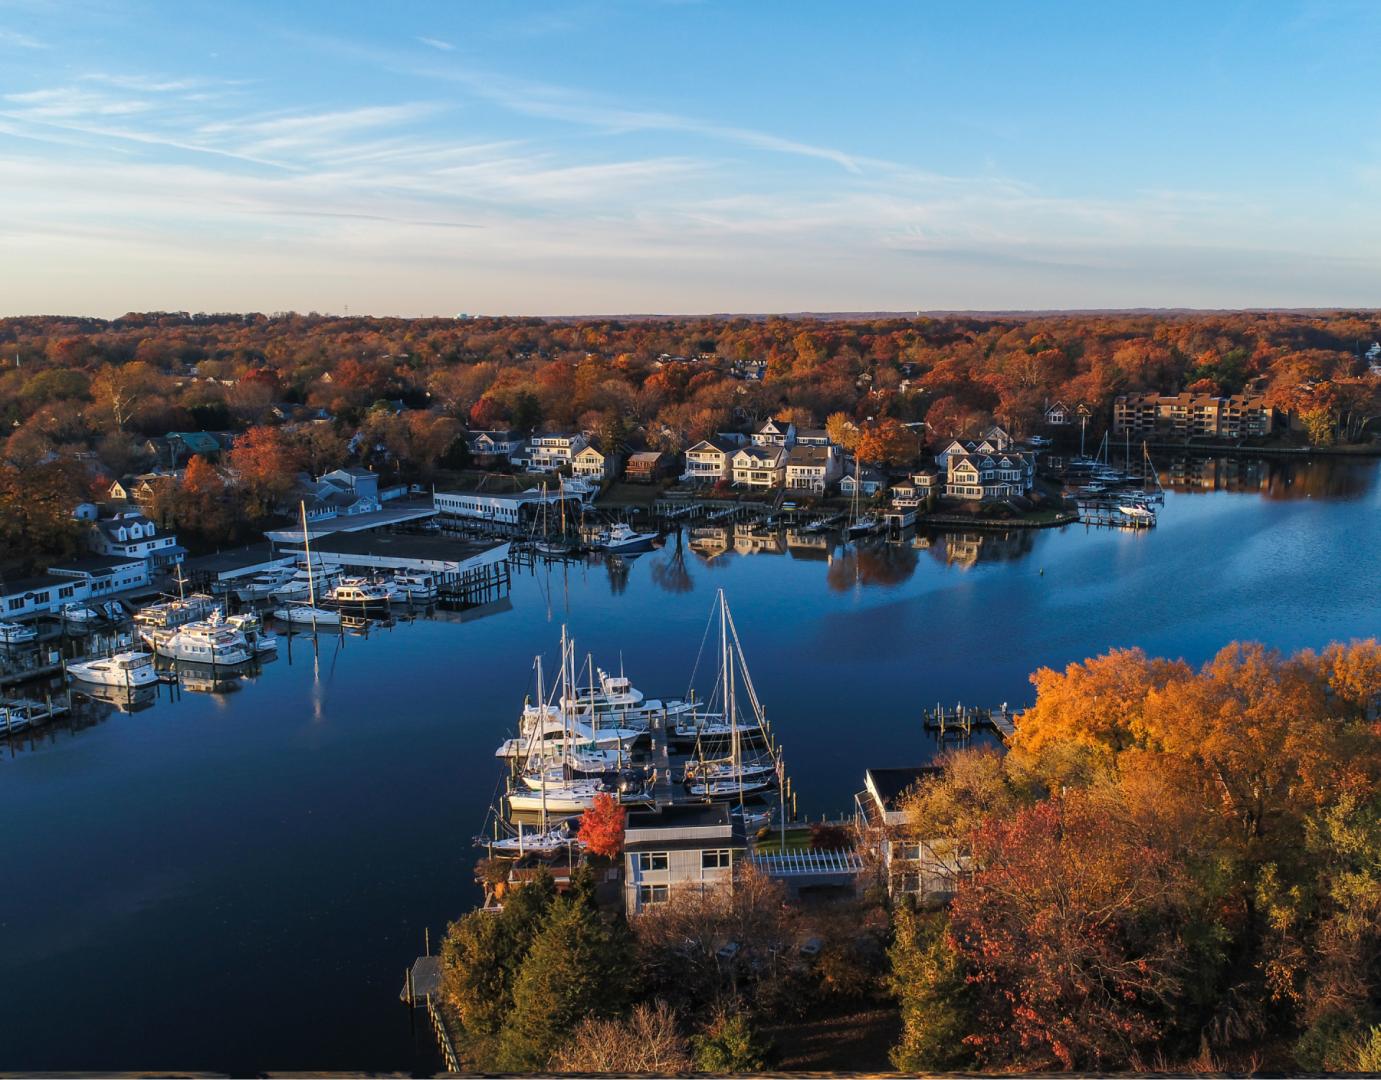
234, 878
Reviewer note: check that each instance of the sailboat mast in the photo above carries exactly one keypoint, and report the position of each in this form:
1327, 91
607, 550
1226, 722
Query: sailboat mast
307, 547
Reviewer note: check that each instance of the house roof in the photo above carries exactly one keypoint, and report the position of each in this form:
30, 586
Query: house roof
20, 586
815, 456
723, 446
812, 433
767, 454
97, 564
352, 470
645, 458
199, 442
891, 784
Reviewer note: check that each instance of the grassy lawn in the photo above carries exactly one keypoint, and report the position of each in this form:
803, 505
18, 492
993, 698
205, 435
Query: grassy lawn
622, 493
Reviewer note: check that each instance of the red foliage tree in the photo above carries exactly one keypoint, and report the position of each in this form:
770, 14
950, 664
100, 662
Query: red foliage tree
601, 827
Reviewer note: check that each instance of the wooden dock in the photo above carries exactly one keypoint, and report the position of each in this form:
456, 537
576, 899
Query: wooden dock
962, 721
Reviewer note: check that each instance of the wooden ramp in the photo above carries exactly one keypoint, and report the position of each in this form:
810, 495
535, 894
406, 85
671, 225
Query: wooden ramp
423, 980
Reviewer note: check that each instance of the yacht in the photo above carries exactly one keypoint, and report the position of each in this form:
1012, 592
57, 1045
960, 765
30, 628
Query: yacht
208, 641
304, 582
261, 586
357, 592
1137, 512
298, 614
78, 613
559, 731
262, 639
622, 537
16, 633
569, 797
170, 614
415, 585
129, 669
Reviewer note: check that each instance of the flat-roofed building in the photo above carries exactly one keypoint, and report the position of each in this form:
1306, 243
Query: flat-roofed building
679, 848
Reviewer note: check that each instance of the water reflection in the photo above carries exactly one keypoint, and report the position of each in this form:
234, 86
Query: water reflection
1273, 477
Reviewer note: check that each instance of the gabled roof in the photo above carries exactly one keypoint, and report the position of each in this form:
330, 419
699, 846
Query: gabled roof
772, 455
809, 456
722, 446
891, 784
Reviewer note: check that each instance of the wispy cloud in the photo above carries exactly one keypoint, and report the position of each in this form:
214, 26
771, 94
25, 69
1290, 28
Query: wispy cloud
20, 41
437, 43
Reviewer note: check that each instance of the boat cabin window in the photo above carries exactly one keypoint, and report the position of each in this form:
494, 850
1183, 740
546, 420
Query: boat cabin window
652, 860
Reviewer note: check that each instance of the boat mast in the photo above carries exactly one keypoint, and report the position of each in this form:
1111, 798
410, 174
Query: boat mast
307, 547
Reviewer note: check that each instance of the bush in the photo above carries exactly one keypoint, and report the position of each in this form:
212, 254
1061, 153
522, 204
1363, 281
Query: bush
729, 1045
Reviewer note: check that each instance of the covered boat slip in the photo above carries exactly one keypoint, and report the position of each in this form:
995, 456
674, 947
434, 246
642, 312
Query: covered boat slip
466, 571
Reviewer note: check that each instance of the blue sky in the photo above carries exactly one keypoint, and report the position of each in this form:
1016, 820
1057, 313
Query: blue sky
616, 156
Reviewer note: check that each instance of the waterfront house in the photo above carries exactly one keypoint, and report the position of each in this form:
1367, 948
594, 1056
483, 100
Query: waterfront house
869, 481
592, 463
649, 466
921, 868
775, 433
492, 446
360, 482
978, 476
709, 460
130, 535
813, 468
556, 449
759, 466
676, 849
79, 581
1056, 415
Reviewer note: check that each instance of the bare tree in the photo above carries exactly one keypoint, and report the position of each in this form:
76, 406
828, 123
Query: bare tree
648, 1041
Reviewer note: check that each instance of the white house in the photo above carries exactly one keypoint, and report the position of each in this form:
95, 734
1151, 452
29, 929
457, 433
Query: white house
869, 482
759, 466
493, 444
592, 463
775, 433
131, 535
988, 477
556, 449
709, 460
813, 468
678, 849
1057, 415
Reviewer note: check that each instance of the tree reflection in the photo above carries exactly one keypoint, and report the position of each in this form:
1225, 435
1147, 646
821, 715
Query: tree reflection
671, 574
874, 564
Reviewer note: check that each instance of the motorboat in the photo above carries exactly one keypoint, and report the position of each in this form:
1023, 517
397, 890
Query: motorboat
206, 641
16, 633
259, 636
127, 669
416, 586
78, 613
304, 582
622, 537
357, 592
169, 614
560, 731
1137, 512
261, 586
754, 818
300, 614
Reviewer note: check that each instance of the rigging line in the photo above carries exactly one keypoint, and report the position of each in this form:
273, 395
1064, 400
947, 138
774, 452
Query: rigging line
703, 638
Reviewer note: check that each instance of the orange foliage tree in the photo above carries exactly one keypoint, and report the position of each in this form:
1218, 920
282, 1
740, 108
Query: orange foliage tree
601, 827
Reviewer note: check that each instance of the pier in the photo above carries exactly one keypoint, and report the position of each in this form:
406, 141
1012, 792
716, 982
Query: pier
962, 721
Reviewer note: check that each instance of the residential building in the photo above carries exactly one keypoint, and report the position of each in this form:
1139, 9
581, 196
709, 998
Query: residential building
130, 535
677, 849
592, 463
811, 467
1057, 415
912, 867
868, 481
649, 466
1189, 416
759, 466
993, 441
491, 445
555, 450
916, 489
361, 482
709, 460
775, 433
813, 437
988, 477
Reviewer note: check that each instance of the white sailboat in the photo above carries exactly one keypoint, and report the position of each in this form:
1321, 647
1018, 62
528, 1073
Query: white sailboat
866, 523
309, 613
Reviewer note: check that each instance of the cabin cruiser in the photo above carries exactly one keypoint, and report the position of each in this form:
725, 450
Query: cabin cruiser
357, 592
1137, 512
559, 731
415, 586
249, 624
304, 582
261, 586
16, 633
622, 537
78, 613
208, 641
131, 668
169, 614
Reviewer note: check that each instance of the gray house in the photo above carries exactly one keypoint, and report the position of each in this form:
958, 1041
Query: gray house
678, 848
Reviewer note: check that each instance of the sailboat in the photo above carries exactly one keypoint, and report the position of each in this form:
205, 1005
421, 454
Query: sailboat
560, 546
751, 765
860, 525
307, 613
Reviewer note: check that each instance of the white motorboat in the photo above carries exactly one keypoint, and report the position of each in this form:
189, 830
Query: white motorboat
754, 818
261, 586
304, 583
16, 633
128, 669
249, 624
560, 731
208, 641
170, 614
305, 614
415, 586
622, 537
357, 592
1137, 512
78, 613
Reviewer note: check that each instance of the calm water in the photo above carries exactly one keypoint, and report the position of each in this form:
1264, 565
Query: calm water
236, 881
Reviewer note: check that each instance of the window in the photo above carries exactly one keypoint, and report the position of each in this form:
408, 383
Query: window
41, 598
652, 860
714, 860
652, 894
16, 604
65, 592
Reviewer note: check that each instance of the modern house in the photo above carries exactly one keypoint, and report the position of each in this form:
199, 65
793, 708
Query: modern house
132, 536
925, 869
555, 450
775, 433
812, 467
1188, 416
649, 466
759, 466
709, 460
679, 848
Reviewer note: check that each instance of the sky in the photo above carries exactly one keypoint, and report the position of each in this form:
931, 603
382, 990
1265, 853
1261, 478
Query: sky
674, 156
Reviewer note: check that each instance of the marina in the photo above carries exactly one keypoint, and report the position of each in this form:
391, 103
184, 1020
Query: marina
297, 793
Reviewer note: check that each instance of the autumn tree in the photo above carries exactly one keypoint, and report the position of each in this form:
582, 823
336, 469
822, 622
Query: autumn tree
648, 1041
263, 463
601, 827
888, 442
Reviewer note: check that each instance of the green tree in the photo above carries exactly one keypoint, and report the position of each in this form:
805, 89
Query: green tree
928, 982
729, 1045
578, 967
